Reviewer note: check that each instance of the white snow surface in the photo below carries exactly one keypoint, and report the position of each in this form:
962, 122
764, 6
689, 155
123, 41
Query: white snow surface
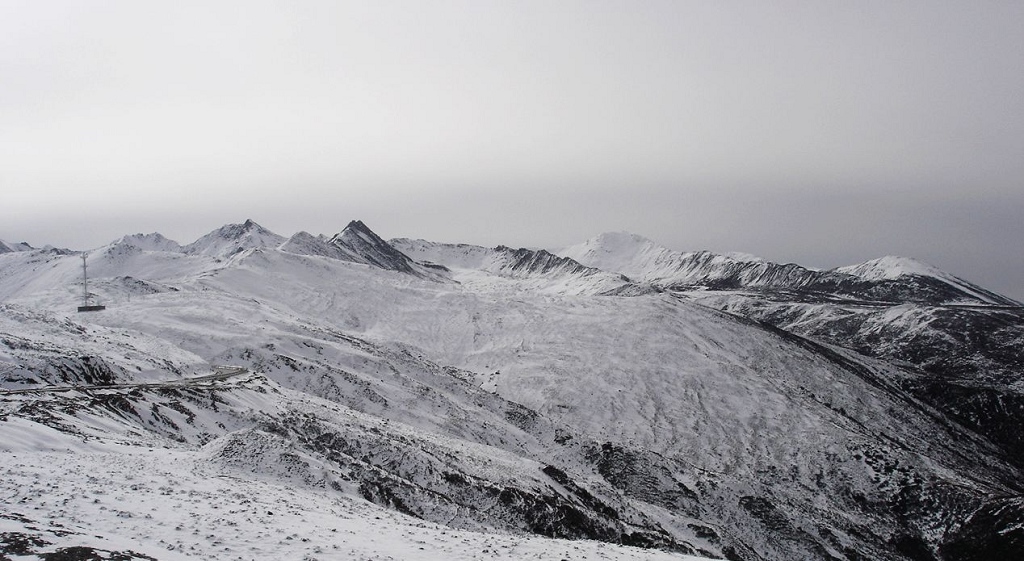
232, 239
6, 247
644, 260
149, 242
653, 370
172, 503
623, 252
418, 367
494, 270
891, 267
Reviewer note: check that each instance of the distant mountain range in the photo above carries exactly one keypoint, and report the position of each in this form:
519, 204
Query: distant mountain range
887, 279
690, 403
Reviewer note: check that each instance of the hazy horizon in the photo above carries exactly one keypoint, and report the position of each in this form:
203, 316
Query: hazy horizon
819, 134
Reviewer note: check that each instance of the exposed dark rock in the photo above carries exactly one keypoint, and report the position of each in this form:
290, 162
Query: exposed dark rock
17, 543
372, 249
995, 531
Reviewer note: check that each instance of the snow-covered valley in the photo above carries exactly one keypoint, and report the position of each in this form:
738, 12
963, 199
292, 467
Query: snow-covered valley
412, 400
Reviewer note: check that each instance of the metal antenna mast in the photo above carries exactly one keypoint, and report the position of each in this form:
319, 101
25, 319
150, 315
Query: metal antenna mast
85, 307
85, 282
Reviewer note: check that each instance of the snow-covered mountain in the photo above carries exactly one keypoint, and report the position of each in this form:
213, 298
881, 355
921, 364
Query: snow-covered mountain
504, 268
9, 247
968, 338
358, 244
232, 239
888, 279
892, 267
641, 259
149, 242
483, 396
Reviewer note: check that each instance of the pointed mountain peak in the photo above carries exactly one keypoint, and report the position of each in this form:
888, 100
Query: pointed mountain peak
356, 228
357, 225
365, 246
234, 238
358, 243
360, 239
234, 231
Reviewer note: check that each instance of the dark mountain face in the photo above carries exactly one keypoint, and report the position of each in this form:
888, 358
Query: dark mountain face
359, 244
993, 532
361, 241
917, 289
966, 343
968, 363
539, 261
710, 270
531, 262
706, 270
970, 359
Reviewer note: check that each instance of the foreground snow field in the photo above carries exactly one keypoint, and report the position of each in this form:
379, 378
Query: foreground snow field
170, 504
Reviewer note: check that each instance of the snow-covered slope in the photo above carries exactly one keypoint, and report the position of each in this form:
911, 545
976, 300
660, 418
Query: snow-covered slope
304, 243
972, 354
232, 239
368, 247
116, 271
9, 247
253, 491
905, 269
436, 446
506, 269
891, 267
33, 270
967, 338
521, 399
149, 242
888, 279
358, 244
642, 259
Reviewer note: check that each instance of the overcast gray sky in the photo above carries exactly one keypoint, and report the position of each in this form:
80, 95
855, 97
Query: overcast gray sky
822, 133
